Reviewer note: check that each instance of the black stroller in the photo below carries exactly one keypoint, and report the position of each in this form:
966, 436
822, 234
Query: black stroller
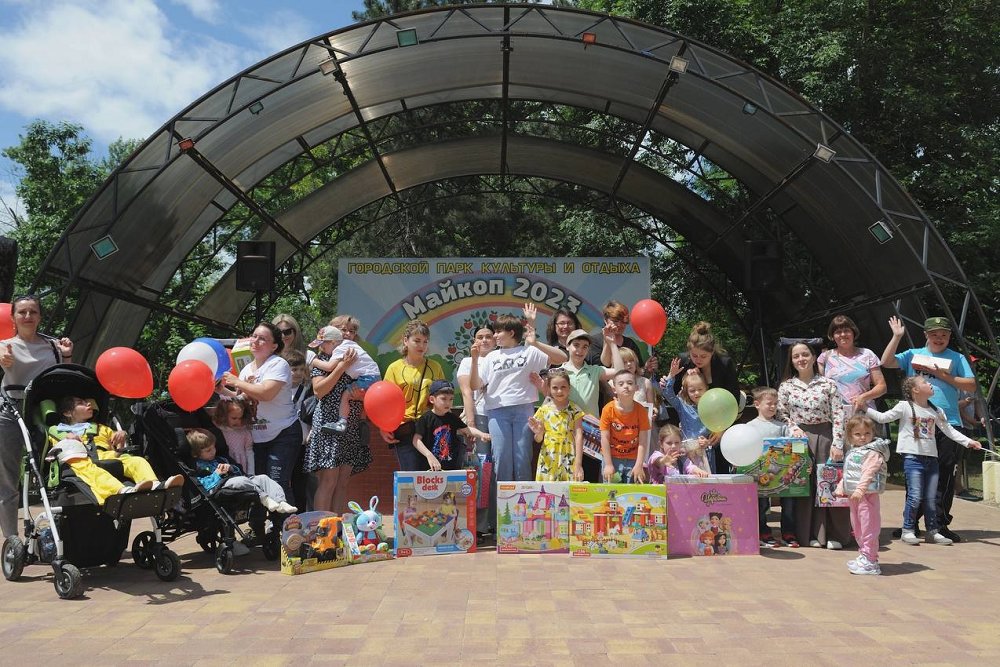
214, 516
74, 531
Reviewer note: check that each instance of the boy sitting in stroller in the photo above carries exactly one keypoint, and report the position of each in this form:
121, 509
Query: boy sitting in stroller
214, 471
77, 437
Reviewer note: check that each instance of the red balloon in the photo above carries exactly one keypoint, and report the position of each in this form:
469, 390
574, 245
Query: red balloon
191, 384
124, 372
7, 329
649, 320
385, 405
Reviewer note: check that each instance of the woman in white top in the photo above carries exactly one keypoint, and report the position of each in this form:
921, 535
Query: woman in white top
277, 436
22, 358
506, 374
474, 414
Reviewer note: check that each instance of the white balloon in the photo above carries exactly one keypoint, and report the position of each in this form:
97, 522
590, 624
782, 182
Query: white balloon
741, 445
202, 352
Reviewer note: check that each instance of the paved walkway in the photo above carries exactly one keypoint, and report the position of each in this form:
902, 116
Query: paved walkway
933, 605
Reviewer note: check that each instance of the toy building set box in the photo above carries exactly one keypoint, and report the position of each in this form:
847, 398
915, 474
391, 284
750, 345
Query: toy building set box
312, 541
783, 468
533, 517
435, 512
712, 516
618, 520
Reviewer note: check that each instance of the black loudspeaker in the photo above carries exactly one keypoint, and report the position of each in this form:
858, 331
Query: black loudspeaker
255, 266
763, 265
8, 267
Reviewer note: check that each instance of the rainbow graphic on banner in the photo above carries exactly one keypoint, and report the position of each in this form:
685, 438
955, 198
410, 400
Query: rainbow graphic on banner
389, 329
386, 294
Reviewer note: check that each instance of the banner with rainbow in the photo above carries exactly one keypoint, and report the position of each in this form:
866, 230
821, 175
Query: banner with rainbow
454, 295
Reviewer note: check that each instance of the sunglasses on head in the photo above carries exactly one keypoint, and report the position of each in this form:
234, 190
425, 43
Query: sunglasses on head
286, 332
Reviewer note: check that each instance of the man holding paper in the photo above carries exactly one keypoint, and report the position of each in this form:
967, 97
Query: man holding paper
949, 373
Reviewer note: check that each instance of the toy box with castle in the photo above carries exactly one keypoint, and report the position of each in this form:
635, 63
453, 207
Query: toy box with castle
533, 517
618, 520
312, 541
712, 516
435, 512
783, 468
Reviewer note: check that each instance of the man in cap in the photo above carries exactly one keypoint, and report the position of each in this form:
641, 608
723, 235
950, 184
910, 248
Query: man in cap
949, 373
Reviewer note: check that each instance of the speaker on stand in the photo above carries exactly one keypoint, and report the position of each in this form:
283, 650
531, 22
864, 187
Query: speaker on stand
763, 271
255, 270
8, 268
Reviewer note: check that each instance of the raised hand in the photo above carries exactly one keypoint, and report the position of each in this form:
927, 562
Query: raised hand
530, 313
7, 356
675, 367
536, 426
897, 327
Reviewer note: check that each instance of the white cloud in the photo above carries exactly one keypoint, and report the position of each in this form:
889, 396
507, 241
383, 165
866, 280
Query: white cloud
281, 30
116, 67
206, 10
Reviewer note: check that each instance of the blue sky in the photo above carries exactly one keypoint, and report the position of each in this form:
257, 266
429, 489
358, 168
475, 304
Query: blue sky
124, 67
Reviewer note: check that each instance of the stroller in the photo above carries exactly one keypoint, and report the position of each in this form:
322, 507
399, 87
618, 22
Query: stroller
214, 516
74, 531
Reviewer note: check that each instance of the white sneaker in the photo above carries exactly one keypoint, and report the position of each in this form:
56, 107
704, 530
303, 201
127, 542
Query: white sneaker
270, 503
938, 538
834, 545
173, 481
285, 508
859, 562
815, 543
910, 537
139, 486
868, 568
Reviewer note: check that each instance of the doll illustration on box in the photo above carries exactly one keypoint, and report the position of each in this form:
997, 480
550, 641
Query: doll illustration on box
721, 544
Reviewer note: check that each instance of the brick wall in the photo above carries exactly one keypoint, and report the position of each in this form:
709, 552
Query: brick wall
377, 480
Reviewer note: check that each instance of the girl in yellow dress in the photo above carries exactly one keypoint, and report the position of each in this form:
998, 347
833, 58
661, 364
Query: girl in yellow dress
558, 426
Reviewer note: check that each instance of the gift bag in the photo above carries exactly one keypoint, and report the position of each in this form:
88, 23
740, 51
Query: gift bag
828, 476
485, 480
591, 437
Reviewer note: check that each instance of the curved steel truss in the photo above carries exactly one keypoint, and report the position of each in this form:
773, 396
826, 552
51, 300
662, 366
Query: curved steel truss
657, 131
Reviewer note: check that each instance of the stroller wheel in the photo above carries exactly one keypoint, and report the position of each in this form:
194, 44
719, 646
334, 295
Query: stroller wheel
143, 549
224, 559
14, 555
68, 581
168, 565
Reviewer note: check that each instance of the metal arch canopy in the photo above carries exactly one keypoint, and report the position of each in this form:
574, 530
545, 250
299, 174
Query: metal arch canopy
161, 203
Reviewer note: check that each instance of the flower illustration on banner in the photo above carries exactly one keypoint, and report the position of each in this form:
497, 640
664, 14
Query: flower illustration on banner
463, 338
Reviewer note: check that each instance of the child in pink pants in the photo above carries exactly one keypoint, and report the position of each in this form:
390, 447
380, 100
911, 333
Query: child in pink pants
864, 479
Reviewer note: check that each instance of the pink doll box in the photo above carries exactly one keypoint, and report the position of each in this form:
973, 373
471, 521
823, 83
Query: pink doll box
435, 512
312, 541
618, 520
712, 516
533, 517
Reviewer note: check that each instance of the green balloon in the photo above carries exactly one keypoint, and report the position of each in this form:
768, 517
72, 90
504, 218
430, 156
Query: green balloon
717, 409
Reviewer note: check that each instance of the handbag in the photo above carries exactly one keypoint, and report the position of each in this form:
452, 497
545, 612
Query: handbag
828, 476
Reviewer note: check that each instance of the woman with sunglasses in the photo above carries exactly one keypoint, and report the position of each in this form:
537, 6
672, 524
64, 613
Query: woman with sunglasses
277, 435
22, 358
291, 336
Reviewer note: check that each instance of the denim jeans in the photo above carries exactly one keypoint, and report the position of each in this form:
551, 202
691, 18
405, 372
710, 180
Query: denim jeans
276, 457
511, 442
921, 485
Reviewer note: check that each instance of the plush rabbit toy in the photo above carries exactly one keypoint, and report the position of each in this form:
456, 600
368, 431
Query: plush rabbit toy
368, 523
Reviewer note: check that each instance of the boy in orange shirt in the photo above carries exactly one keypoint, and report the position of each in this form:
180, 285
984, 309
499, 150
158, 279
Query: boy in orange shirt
623, 422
